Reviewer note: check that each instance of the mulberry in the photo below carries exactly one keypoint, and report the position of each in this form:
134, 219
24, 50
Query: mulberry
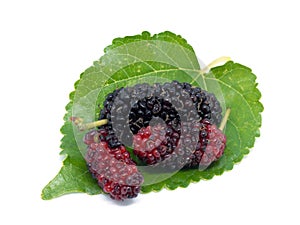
153, 143
138, 106
131, 108
206, 104
108, 134
210, 146
115, 172
201, 144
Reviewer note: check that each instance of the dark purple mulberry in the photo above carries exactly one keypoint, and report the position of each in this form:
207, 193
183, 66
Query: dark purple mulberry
206, 104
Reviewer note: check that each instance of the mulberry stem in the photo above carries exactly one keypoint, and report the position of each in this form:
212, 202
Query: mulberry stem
86, 126
224, 120
214, 63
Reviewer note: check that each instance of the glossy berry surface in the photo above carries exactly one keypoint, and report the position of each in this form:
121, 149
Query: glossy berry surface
206, 104
131, 108
107, 132
210, 146
200, 144
153, 143
115, 172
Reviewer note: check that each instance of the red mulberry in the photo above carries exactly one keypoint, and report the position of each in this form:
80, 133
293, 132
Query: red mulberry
115, 172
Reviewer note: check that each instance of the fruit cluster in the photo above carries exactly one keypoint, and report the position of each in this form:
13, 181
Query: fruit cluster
170, 126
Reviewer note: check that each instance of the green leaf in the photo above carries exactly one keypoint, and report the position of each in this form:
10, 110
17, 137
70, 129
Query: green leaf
70, 179
158, 58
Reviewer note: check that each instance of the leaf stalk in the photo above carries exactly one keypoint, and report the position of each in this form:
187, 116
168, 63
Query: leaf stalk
214, 63
86, 126
224, 120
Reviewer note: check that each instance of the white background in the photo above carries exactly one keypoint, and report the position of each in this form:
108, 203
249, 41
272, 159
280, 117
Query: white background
45, 45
